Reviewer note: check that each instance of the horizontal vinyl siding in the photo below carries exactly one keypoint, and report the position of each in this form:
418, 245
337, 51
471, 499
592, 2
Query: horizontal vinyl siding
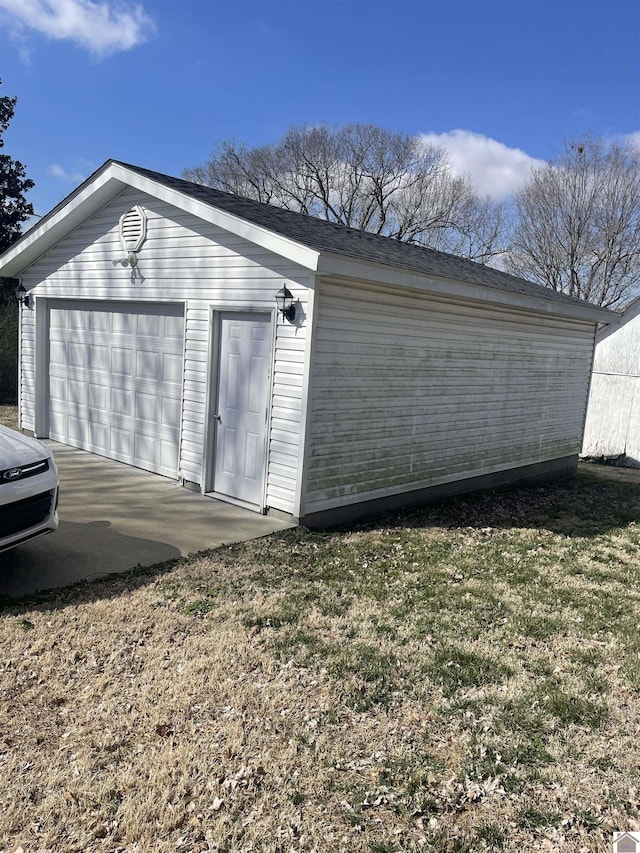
27, 377
185, 260
286, 413
196, 379
410, 392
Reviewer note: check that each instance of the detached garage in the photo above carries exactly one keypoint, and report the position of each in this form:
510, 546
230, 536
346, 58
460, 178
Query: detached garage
285, 363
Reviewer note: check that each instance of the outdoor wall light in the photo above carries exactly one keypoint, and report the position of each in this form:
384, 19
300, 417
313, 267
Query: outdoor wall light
130, 261
22, 296
284, 301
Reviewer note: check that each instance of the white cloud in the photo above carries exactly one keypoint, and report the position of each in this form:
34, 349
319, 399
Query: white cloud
494, 168
82, 169
100, 26
633, 138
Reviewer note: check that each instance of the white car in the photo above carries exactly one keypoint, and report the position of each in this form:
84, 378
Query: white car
28, 489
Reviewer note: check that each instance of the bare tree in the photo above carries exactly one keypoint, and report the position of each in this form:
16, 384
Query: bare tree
578, 223
234, 168
365, 177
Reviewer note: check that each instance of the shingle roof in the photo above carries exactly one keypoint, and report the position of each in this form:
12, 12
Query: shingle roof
323, 236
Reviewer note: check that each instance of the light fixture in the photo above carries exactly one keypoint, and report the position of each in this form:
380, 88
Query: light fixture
284, 301
22, 296
130, 261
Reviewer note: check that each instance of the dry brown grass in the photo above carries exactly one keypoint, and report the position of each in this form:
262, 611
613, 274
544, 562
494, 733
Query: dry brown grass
9, 416
463, 678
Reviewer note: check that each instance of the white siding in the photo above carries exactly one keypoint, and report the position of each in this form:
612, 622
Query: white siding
618, 351
613, 416
614, 406
182, 259
27, 378
410, 392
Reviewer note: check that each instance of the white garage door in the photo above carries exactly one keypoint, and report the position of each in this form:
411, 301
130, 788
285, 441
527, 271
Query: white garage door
115, 381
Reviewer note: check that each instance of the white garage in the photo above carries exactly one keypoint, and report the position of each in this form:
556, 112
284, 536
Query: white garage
286, 363
115, 381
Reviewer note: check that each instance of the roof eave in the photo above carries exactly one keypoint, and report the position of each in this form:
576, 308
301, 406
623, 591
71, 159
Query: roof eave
112, 178
340, 266
630, 313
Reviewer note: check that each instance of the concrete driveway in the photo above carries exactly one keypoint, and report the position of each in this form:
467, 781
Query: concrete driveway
114, 518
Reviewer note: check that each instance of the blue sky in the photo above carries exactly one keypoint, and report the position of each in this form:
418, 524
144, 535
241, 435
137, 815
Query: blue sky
499, 83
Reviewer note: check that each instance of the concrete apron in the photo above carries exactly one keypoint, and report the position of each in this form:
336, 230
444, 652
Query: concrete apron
114, 517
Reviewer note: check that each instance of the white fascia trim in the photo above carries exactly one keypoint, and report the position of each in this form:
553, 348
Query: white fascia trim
283, 246
337, 266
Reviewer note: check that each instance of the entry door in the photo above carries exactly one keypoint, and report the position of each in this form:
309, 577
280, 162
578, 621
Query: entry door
241, 414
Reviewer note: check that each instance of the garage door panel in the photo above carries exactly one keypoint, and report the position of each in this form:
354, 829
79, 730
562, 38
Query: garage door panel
147, 364
146, 447
100, 321
121, 361
58, 353
149, 325
174, 328
146, 407
77, 393
98, 399
121, 443
98, 357
121, 402
76, 428
57, 318
172, 368
77, 320
116, 381
169, 454
58, 389
123, 324
77, 354
170, 412
98, 436
57, 422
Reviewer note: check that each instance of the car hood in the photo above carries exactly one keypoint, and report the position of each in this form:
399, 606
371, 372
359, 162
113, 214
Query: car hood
17, 449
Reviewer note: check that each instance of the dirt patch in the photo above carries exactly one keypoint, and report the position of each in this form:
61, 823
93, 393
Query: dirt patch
611, 472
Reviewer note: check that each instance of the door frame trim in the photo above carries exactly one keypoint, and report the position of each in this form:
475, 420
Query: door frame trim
208, 457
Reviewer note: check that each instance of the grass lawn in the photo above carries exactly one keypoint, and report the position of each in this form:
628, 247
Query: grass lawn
9, 416
460, 678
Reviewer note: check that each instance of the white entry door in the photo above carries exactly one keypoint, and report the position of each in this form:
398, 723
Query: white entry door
241, 413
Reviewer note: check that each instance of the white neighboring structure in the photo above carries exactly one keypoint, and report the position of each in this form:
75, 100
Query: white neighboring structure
612, 429
151, 336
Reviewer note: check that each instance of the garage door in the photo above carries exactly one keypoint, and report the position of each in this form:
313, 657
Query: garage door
115, 381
